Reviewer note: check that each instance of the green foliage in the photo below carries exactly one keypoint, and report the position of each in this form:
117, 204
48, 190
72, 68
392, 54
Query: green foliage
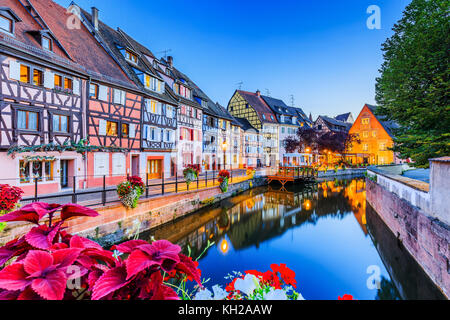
413, 89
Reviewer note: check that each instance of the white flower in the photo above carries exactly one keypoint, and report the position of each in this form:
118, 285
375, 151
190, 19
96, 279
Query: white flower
247, 285
275, 295
203, 294
219, 293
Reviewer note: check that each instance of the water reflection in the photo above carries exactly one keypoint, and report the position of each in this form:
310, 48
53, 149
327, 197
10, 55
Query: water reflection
319, 230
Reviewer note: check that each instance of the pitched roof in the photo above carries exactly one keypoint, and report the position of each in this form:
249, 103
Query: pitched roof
245, 124
333, 122
260, 106
387, 124
78, 42
344, 117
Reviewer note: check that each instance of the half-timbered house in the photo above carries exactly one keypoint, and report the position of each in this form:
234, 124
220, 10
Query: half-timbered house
41, 104
155, 145
251, 106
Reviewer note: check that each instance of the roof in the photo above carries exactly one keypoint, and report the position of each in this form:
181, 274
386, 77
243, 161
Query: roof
245, 124
388, 125
79, 41
344, 117
116, 39
333, 122
260, 106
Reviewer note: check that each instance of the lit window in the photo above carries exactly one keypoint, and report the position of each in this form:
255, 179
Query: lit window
38, 77
93, 91
47, 43
365, 134
365, 121
382, 146
58, 81
27, 120
60, 123
42, 170
365, 147
6, 24
125, 130
24, 73
111, 128
68, 83
374, 134
130, 56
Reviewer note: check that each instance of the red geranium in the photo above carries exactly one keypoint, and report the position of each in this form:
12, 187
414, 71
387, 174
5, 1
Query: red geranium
135, 181
9, 197
223, 174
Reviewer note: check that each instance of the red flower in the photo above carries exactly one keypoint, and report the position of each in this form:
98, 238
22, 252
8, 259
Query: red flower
346, 297
9, 197
286, 274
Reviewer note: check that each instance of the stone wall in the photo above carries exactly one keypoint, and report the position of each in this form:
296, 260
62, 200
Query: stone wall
115, 222
426, 238
440, 189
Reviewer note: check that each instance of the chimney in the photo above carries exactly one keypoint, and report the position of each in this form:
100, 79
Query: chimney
95, 18
258, 93
170, 61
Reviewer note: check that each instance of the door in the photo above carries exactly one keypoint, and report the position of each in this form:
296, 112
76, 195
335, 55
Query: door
64, 173
135, 165
154, 169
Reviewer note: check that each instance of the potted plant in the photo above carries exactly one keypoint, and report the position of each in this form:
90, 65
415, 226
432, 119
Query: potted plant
130, 191
223, 178
191, 173
9, 199
251, 172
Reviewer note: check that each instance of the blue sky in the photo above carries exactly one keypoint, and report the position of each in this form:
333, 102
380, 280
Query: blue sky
321, 52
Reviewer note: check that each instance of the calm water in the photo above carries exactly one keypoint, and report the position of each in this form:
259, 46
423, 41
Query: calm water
323, 232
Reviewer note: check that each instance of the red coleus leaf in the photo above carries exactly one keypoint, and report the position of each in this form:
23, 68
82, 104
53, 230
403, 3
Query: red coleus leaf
37, 262
137, 262
12, 249
31, 212
165, 293
52, 286
74, 210
42, 237
65, 257
109, 282
129, 246
9, 295
189, 267
163, 252
83, 243
14, 277
29, 294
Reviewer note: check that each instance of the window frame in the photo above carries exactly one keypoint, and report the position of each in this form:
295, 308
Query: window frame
109, 122
11, 24
96, 90
27, 110
50, 43
122, 135
69, 123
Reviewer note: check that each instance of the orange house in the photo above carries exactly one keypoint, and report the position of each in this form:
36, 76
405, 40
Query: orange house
375, 137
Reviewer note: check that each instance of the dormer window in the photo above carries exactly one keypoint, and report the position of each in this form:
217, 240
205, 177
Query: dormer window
130, 56
6, 24
47, 43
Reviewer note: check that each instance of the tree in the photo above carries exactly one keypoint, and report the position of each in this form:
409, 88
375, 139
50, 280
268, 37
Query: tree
413, 89
320, 141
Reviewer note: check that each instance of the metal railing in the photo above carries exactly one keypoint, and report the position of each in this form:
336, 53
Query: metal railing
106, 193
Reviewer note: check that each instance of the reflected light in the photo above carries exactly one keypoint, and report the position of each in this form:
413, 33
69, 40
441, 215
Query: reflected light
224, 247
307, 204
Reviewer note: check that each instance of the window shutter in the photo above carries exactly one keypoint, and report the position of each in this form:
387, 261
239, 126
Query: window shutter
103, 93
117, 98
159, 108
102, 127
49, 79
145, 135
123, 97
148, 106
119, 164
14, 70
101, 164
132, 130
76, 87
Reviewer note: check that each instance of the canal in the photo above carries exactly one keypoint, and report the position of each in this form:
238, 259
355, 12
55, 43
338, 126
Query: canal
322, 231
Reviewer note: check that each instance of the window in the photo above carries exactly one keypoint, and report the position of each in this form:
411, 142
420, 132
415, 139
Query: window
38, 77
60, 123
58, 81
365, 147
93, 91
6, 24
24, 73
374, 134
125, 130
365, 121
42, 170
365, 134
111, 128
68, 83
130, 56
382, 146
27, 120
47, 43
